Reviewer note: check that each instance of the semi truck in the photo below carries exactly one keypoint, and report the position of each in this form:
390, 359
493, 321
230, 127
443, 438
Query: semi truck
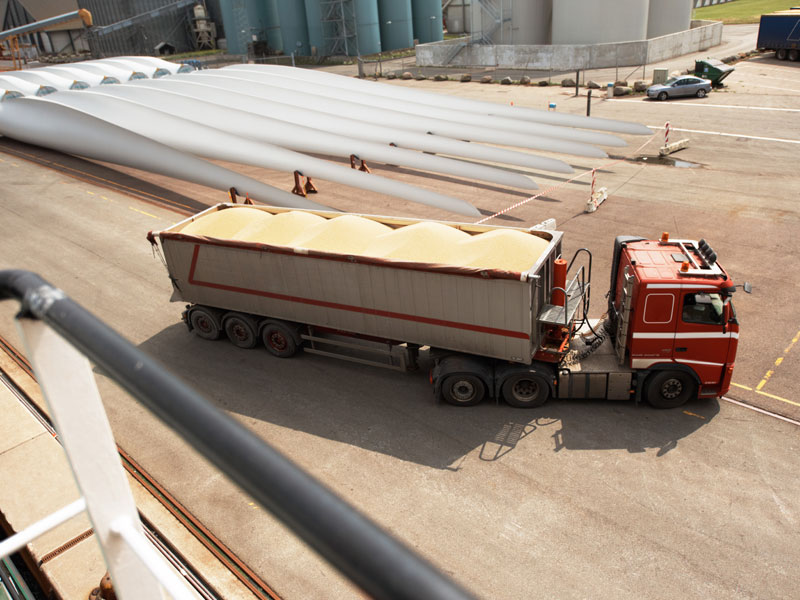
498, 311
780, 31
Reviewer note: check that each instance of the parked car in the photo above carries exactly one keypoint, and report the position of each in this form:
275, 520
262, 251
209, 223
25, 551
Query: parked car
675, 87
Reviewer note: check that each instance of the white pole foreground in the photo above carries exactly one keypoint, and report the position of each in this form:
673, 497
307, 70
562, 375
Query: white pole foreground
132, 534
70, 390
19, 540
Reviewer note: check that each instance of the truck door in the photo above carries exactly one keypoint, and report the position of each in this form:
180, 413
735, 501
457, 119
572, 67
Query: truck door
653, 335
700, 342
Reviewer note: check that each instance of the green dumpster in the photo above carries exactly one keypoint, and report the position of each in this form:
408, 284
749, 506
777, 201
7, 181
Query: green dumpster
712, 69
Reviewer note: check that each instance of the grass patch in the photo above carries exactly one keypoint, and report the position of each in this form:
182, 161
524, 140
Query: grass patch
742, 11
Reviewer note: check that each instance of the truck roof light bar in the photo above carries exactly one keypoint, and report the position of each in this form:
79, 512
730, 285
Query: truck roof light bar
702, 250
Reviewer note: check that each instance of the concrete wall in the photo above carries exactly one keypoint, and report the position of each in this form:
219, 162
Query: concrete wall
571, 57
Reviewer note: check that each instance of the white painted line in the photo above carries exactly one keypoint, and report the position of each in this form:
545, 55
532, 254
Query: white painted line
760, 410
780, 78
771, 87
765, 67
736, 135
720, 106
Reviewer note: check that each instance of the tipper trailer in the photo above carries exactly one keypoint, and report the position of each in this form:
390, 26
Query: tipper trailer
499, 310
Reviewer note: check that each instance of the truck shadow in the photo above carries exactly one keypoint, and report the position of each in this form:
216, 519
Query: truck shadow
395, 413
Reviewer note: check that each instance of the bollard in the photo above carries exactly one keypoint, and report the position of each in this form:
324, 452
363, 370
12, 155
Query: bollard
589, 102
610, 90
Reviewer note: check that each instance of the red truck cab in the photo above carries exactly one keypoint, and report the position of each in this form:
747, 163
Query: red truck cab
674, 318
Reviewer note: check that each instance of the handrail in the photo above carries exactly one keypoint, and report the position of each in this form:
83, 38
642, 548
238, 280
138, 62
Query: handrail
360, 549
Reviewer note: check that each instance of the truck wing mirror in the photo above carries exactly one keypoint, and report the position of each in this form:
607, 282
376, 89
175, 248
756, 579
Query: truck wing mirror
747, 287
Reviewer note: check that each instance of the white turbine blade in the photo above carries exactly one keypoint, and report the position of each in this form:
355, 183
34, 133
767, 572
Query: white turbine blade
236, 93
38, 121
40, 77
305, 139
330, 100
450, 114
188, 136
441, 100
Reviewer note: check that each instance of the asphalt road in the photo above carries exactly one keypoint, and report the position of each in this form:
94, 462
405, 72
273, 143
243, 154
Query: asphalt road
575, 499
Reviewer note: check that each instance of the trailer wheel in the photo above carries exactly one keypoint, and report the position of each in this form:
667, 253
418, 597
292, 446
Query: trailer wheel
793, 54
204, 323
669, 389
240, 330
463, 390
781, 53
279, 339
525, 390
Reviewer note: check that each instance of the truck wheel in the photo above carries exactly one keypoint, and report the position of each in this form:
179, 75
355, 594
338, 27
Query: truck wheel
701, 93
663, 96
526, 390
781, 54
279, 340
793, 55
669, 389
463, 390
204, 324
240, 330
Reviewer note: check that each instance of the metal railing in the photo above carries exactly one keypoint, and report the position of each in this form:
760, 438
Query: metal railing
60, 338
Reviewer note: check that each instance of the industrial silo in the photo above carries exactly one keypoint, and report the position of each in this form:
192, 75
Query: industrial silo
368, 26
427, 20
316, 35
599, 21
246, 21
294, 27
531, 21
668, 16
395, 22
457, 16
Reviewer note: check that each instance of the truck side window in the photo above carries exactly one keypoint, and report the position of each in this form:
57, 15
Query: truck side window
701, 308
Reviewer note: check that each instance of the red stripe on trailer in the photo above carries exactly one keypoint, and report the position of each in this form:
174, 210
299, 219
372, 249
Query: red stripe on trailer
348, 307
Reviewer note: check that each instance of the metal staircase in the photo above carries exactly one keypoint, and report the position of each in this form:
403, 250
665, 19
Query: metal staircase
339, 28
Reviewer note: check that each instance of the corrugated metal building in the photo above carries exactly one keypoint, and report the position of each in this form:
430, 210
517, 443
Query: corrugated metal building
145, 37
67, 37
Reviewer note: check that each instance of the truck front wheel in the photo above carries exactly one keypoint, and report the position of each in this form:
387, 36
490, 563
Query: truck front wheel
669, 389
463, 390
279, 339
525, 390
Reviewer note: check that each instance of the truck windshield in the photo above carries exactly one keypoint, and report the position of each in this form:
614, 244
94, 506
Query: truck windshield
702, 308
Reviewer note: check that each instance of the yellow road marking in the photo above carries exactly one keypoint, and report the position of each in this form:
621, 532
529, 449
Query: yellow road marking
142, 212
744, 387
691, 414
761, 383
774, 397
90, 193
778, 361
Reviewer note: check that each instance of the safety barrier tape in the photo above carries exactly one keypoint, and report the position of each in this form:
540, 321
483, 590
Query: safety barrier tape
562, 184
